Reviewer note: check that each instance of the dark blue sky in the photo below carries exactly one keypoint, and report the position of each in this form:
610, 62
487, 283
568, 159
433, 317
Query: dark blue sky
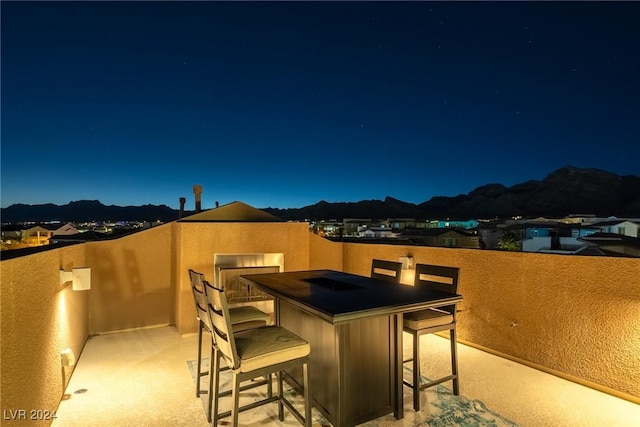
286, 104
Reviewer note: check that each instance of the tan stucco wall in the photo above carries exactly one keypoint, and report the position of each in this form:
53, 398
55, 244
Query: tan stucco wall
132, 281
325, 254
198, 242
39, 319
575, 315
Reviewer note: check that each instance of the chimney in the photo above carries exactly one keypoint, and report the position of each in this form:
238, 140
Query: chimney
197, 190
182, 202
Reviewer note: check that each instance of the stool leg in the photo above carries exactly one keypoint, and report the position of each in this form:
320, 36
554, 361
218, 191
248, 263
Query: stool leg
235, 397
306, 395
454, 362
214, 371
416, 371
280, 397
199, 369
212, 385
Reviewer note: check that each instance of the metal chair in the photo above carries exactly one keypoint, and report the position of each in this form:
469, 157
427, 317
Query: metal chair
388, 271
418, 323
253, 353
242, 317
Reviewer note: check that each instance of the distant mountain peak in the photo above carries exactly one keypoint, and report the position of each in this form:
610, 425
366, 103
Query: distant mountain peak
85, 203
87, 210
572, 172
565, 191
489, 190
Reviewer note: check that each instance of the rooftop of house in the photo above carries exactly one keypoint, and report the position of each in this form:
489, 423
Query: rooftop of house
232, 212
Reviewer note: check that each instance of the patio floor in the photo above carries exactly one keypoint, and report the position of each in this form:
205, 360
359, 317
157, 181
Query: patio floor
141, 378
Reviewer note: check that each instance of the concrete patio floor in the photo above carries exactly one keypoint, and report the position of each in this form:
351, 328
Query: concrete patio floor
141, 378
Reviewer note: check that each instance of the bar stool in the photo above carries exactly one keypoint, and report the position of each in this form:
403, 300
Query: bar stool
253, 353
242, 317
418, 323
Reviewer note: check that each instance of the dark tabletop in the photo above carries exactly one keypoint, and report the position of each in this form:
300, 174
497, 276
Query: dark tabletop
339, 297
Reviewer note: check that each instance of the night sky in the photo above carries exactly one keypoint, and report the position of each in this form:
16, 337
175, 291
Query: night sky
284, 104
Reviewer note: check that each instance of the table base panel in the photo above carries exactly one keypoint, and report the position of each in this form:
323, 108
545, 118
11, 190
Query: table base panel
352, 365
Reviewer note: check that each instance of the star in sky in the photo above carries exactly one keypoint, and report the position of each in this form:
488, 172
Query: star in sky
284, 104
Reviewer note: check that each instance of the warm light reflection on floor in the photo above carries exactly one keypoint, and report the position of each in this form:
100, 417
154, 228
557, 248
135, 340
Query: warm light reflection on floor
142, 378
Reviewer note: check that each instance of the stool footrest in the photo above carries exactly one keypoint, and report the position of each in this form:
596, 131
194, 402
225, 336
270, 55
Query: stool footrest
431, 383
244, 387
250, 406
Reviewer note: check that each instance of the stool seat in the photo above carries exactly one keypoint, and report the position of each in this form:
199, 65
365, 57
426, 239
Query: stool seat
268, 345
247, 314
427, 318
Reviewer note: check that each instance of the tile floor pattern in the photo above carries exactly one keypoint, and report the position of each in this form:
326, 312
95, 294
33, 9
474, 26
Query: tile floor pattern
141, 378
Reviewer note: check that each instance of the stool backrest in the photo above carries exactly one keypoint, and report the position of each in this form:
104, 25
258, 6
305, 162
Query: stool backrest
388, 271
438, 278
221, 325
199, 296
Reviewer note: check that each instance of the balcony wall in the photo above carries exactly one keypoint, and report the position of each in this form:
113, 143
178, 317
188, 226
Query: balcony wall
39, 318
574, 316
132, 279
197, 242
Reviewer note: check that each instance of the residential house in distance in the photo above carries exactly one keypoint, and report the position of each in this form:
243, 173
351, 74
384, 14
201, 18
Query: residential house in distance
446, 233
614, 243
18, 236
467, 224
443, 237
585, 235
353, 226
327, 228
92, 235
36, 235
11, 234
625, 227
402, 223
378, 232
585, 219
543, 234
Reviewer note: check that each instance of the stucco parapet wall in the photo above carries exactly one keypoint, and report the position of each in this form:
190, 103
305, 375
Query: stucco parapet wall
575, 315
39, 317
570, 314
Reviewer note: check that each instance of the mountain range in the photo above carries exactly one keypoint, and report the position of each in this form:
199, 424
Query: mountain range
568, 190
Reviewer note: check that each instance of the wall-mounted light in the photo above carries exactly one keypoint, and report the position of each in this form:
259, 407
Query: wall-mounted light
80, 278
67, 358
407, 262
408, 274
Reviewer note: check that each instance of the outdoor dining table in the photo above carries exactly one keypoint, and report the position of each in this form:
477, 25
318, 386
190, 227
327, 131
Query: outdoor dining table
354, 326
